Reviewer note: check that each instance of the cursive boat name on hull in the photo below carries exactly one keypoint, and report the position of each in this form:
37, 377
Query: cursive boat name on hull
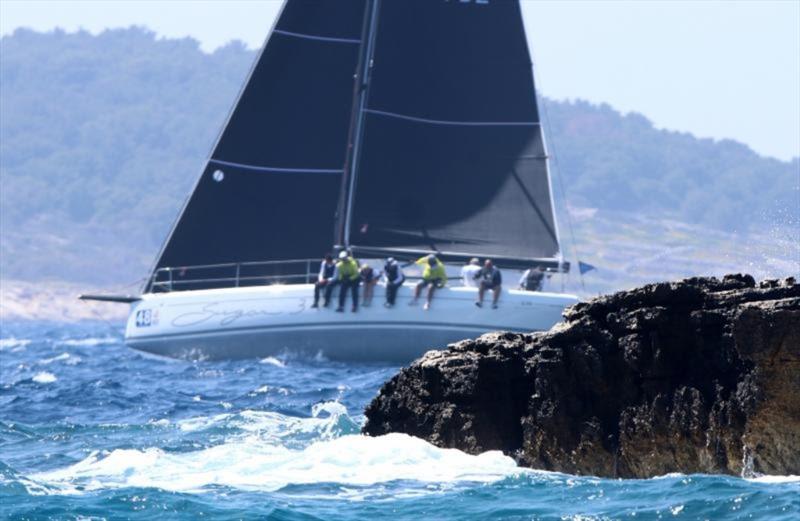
225, 315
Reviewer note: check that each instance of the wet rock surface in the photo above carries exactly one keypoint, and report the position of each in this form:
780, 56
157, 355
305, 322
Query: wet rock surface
700, 375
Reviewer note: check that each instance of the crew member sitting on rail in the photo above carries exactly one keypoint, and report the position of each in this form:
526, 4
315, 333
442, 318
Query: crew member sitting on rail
326, 279
490, 278
433, 276
468, 273
532, 279
368, 279
347, 271
394, 279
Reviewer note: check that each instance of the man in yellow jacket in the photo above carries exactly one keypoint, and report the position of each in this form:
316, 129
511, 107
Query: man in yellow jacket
433, 276
348, 278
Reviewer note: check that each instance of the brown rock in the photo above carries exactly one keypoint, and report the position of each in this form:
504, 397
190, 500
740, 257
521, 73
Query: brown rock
699, 375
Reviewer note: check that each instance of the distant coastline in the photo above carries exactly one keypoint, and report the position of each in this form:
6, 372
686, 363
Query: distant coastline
53, 301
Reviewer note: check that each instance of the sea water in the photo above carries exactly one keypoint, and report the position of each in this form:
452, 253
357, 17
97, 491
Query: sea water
90, 429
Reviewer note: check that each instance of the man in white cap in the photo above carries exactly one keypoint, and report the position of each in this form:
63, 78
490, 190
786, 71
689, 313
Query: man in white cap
347, 272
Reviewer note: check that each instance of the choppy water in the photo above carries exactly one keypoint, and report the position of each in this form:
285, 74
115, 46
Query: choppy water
92, 430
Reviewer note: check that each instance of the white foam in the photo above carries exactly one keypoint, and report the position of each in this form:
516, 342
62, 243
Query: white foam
252, 464
775, 479
59, 358
88, 342
267, 451
271, 360
13, 344
43, 377
328, 408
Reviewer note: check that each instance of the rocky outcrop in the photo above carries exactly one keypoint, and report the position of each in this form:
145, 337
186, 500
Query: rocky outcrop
700, 375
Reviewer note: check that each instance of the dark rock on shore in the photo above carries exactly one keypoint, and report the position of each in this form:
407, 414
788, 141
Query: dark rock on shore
700, 375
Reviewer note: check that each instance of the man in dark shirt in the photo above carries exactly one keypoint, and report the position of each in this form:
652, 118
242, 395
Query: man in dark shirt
490, 278
394, 280
325, 279
532, 279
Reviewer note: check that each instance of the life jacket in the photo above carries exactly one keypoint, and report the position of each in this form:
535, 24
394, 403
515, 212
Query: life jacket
347, 269
433, 272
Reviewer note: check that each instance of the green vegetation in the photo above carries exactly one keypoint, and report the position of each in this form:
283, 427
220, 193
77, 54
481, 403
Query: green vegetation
101, 138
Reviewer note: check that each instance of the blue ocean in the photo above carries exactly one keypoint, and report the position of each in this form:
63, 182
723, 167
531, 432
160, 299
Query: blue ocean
90, 429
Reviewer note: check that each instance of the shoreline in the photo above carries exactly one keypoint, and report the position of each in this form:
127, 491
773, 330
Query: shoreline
54, 301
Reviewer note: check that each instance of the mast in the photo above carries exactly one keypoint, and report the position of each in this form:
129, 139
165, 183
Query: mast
361, 91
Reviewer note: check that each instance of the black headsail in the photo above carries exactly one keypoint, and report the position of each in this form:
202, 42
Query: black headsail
270, 188
451, 155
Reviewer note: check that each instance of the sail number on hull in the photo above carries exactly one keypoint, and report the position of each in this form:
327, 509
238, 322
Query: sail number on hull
146, 317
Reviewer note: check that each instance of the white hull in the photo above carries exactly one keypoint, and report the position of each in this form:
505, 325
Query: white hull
235, 323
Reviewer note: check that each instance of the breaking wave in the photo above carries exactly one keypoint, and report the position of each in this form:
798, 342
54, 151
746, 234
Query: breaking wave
252, 464
267, 451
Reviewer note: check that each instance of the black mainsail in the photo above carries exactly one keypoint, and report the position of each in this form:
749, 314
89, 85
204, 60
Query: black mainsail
413, 124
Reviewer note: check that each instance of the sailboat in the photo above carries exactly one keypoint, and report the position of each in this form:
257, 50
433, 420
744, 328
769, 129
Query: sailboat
386, 128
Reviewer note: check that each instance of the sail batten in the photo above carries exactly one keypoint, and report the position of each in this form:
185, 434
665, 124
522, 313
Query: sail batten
277, 169
451, 122
317, 37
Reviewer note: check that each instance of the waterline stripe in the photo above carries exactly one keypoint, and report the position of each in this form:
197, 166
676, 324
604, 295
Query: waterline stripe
274, 169
318, 38
459, 123
327, 326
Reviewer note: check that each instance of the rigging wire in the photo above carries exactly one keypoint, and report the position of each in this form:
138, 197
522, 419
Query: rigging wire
563, 193
93, 310
114, 329
552, 152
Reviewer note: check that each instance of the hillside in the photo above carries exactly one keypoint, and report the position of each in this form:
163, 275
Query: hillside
101, 138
